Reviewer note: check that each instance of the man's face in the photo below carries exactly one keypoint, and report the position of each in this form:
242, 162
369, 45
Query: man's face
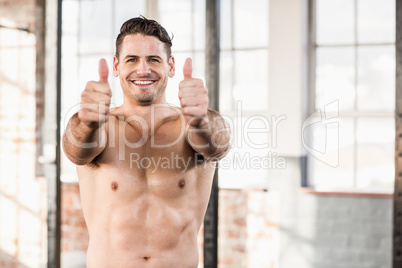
143, 68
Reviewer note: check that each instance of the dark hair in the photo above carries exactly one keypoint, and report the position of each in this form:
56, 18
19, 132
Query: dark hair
144, 26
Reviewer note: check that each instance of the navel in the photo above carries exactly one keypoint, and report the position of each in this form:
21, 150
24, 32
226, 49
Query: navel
147, 258
114, 186
181, 183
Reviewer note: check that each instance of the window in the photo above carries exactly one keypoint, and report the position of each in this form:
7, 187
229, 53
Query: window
244, 92
351, 142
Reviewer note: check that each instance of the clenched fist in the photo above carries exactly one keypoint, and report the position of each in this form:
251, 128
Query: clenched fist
193, 96
95, 99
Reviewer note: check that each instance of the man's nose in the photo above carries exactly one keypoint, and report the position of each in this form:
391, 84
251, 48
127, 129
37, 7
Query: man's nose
143, 68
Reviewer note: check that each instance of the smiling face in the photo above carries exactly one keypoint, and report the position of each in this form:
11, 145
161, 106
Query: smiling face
143, 69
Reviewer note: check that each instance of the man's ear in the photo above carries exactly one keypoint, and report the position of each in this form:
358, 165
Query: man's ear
115, 64
172, 69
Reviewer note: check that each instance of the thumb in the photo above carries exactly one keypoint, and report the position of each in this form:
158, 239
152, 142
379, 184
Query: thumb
188, 68
103, 71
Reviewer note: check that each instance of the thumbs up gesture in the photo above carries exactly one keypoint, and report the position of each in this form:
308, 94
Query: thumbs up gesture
193, 96
95, 99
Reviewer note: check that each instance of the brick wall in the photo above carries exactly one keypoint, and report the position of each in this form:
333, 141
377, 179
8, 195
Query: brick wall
74, 230
18, 12
74, 233
248, 231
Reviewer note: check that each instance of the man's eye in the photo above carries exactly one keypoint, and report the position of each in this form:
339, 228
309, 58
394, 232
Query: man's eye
154, 60
132, 60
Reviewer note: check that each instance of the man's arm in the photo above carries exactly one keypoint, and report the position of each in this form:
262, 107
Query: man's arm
211, 138
207, 133
82, 143
85, 136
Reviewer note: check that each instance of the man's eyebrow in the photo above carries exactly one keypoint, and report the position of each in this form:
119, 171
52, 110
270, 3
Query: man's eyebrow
130, 56
154, 56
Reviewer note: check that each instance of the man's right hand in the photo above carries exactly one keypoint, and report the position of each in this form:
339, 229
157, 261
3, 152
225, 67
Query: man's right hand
96, 98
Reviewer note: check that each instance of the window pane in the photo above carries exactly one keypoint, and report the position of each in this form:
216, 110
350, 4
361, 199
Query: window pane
375, 154
226, 24
376, 81
96, 27
247, 164
335, 22
70, 20
335, 77
176, 17
251, 23
376, 21
323, 141
88, 69
226, 81
251, 79
9, 67
199, 24
125, 10
70, 92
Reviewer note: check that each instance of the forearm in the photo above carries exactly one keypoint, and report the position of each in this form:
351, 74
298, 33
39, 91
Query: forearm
82, 143
211, 138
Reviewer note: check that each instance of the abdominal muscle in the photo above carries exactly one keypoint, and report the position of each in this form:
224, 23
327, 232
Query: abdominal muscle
139, 229
129, 241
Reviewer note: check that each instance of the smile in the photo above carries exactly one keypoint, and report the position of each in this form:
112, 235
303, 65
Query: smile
143, 82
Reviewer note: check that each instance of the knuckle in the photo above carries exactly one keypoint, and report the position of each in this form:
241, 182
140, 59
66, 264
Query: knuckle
84, 94
199, 82
105, 99
89, 85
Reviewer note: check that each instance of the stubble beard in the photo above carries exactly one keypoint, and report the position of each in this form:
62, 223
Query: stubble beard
147, 98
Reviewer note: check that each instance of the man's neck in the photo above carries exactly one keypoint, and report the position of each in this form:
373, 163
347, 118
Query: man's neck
154, 114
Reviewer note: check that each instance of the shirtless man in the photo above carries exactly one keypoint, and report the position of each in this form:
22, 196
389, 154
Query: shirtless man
145, 168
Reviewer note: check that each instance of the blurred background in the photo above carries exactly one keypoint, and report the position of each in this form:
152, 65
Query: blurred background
308, 87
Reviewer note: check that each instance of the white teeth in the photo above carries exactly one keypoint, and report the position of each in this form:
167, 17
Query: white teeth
143, 82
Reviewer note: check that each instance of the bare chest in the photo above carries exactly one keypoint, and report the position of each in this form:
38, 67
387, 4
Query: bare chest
148, 150
146, 160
